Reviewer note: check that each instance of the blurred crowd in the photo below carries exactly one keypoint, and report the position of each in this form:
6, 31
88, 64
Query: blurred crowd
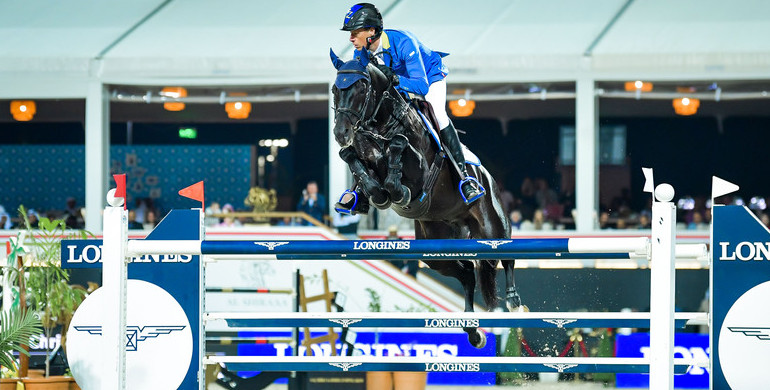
534, 206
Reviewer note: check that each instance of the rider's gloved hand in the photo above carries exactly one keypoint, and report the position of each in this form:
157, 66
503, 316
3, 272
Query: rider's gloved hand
388, 73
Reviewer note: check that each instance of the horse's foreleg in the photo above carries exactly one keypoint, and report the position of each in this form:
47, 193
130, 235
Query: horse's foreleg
399, 193
368, 185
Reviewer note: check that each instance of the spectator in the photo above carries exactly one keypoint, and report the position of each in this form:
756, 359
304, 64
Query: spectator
516, 220
697, 222
528, 204
5, 222
140, 207
212, 209
506, 198
544, 195
644, 220
229, 221
347, 225
540, 222
132, 223
604, 220
150, 220
312, 203
287, 221
33, 218
73, 216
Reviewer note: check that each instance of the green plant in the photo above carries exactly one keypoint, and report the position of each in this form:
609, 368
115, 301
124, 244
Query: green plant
47, 285
375, 302
16, 329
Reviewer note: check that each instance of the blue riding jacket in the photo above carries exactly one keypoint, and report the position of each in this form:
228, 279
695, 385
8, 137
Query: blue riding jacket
415, 72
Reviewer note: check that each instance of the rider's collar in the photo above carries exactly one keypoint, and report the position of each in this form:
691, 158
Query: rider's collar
384, 41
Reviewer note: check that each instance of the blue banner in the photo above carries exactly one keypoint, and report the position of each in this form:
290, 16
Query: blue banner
390, 344
686, 345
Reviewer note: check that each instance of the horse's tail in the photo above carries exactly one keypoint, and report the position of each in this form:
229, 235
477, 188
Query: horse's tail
488, 282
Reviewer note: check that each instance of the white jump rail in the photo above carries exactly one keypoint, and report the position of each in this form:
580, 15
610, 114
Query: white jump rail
449, 320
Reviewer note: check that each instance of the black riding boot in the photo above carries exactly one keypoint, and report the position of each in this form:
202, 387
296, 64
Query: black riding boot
470, 188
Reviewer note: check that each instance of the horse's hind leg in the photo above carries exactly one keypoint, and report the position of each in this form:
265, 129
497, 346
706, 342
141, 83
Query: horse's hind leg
462, 270
512, 298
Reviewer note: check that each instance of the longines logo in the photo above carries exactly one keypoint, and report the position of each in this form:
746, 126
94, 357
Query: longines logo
452, 367
451, 323
760, 333
559, 322
380, 245
561, 366
494, 244
745, 251
270, 245
134, 334
92, 254
450, 255
345, 366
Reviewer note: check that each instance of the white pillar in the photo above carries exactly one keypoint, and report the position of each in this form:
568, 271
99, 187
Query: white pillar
662, 284
114, 280
339, 174
97, 152
586, 155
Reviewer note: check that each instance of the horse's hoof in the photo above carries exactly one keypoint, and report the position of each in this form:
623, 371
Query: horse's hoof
477, 339
517, 309
382, 206
406, 198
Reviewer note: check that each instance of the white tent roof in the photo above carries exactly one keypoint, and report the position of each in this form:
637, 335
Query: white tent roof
52, 49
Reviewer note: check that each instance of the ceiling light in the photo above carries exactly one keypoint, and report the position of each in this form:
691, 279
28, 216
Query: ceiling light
462, 107
173, 93
23, 110
638, 85
686, 106
238, 110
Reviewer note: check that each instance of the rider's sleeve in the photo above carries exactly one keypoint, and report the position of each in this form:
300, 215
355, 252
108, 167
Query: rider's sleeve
416, 80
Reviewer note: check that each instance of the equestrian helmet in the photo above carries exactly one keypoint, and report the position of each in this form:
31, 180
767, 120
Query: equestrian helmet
362, 15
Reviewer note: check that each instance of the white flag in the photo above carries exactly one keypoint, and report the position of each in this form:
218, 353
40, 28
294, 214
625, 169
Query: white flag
721, 187
649, 185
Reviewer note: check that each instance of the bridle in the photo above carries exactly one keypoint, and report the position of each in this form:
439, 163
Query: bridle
364, 124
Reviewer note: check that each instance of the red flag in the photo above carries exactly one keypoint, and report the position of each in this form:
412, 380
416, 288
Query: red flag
120, 190
194, 192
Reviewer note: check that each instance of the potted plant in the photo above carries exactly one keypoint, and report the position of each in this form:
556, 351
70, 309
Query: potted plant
16, 330
47, 286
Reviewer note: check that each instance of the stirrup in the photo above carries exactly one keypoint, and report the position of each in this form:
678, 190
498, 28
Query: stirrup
481, 190
343, 208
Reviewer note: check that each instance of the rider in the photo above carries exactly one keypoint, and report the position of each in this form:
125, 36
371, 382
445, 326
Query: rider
425, 75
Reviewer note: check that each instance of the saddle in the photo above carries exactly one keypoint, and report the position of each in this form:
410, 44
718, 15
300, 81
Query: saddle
425, 111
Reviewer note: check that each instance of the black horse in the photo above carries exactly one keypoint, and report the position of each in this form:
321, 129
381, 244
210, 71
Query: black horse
398, 163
